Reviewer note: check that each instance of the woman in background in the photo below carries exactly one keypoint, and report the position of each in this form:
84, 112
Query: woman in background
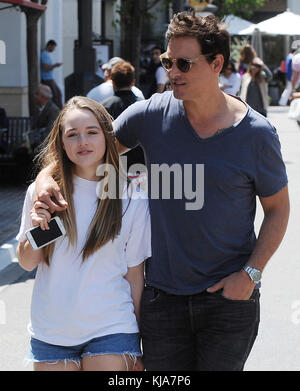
230, 79
254, 86
247, 55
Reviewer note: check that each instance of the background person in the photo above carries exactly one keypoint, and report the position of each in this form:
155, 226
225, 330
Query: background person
156, 73
288, 78
123, 78
105, 89
254, 86
247, 55
47, 67
230, 79
46, 111
295, 66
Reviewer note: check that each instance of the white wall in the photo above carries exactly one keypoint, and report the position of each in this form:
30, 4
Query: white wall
294, 6
13, 34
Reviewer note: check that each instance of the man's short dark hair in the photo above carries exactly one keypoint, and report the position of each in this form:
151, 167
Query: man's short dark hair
210, 33
51, 42
122, 74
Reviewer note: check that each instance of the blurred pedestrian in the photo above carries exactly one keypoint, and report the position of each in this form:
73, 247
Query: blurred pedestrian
254, 86
105, 89
47, 67
247, 55
123, 78
157, 74
283, 101
230, 79
296, 66
46, 111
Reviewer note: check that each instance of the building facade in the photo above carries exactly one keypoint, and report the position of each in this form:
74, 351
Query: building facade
59, 22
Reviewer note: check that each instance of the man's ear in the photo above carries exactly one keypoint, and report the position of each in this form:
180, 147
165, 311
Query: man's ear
218, 63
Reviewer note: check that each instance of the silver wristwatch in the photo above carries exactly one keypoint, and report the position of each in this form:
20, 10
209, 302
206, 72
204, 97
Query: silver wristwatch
254, 274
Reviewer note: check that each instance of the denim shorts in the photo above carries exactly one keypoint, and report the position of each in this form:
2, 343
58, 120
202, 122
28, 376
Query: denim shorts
109, 344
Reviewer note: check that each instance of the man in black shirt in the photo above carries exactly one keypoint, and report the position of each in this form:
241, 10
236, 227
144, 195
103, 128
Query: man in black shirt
123, 78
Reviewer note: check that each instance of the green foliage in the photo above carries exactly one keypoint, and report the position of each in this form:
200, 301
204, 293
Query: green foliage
236, 46
241, 8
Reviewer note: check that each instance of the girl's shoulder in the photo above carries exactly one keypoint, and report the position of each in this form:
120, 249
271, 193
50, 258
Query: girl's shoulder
30, 190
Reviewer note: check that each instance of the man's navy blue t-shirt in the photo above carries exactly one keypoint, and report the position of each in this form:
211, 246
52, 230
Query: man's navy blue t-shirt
195, 243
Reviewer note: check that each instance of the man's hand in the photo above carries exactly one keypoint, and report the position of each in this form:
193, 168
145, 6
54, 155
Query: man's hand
236, 286
139, 366
48, 192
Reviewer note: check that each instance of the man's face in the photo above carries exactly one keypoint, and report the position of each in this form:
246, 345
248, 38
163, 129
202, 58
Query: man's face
198, 80
51, 48
155, 56
38, 98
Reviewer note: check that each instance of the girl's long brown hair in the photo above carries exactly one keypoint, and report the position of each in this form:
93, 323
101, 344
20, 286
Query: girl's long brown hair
107, 220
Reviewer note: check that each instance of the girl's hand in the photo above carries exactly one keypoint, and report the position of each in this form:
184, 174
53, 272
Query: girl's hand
40, 215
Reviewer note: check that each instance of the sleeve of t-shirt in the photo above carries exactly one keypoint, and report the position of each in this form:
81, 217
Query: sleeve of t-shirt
129, 124
45, 58
271, 174
161, 76
26, 220
296, 63
138, 247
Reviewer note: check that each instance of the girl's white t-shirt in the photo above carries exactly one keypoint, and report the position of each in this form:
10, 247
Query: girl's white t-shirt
75, 301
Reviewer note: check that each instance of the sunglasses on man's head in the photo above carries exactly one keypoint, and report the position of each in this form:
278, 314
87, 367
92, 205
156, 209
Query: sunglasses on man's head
183, 64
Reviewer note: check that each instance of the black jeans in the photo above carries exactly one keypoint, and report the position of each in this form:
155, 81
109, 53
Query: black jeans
203, 332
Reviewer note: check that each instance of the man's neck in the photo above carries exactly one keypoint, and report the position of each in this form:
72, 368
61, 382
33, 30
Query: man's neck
218, 111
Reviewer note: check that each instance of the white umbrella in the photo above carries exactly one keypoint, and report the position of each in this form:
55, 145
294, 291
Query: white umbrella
236, 24
286, 23
256, 42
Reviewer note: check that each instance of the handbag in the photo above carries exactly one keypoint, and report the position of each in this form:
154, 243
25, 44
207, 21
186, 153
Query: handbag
294, 110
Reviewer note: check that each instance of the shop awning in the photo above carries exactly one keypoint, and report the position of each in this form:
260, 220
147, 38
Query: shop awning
25, 3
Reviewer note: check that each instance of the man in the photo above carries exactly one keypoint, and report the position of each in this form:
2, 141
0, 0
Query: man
123, 79
47, 67
46, 111
156, 73
200, 307
295, 66
105, 90
42, 121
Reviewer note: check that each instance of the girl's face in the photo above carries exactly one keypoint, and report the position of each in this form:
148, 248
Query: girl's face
84, 142
228, 70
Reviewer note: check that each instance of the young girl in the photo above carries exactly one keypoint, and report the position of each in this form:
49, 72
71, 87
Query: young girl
88, 286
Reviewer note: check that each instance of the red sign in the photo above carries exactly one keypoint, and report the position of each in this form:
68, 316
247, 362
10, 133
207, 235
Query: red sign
26, 3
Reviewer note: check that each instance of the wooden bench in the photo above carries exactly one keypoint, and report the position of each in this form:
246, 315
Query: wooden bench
11, 138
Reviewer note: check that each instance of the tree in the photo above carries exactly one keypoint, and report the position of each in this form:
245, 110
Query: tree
32, 17
133, 13
241, 8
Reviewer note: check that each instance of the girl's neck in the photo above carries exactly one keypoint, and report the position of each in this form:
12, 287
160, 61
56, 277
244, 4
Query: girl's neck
86, 173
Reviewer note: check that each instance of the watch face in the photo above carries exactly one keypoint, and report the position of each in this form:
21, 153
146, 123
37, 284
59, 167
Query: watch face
255, 275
